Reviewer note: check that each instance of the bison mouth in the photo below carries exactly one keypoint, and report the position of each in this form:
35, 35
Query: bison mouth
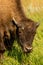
26, 46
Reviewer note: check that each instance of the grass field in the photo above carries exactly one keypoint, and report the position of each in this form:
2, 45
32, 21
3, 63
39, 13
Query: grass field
17, 57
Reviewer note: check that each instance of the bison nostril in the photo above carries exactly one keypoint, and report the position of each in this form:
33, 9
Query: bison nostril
27, 49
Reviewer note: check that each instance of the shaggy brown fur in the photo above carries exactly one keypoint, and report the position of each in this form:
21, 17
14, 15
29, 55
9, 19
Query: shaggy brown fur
11, 10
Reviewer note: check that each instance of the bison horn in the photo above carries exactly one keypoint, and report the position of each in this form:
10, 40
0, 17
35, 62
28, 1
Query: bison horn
37, 24
16, 23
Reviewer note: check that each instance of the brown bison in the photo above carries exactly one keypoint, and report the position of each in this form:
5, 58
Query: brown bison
14, 22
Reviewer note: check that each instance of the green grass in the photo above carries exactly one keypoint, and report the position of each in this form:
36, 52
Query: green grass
17, 57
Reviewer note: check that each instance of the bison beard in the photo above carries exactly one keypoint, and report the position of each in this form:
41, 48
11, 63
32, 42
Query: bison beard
9, 41
6, 38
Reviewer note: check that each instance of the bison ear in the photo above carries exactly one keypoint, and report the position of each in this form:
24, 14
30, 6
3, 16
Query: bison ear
37, 24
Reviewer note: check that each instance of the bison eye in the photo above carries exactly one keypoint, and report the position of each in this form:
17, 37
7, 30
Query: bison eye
34, 32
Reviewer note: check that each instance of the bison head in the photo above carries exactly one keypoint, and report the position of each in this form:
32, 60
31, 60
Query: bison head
26, 31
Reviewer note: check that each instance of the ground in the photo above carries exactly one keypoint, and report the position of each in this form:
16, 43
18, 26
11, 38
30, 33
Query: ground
17, 57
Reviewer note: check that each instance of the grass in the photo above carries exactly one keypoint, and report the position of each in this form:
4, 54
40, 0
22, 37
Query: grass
17, 57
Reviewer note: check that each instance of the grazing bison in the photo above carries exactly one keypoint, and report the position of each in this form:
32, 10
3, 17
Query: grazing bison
14, 22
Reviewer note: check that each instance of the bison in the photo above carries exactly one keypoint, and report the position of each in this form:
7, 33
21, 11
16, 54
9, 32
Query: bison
13, 22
